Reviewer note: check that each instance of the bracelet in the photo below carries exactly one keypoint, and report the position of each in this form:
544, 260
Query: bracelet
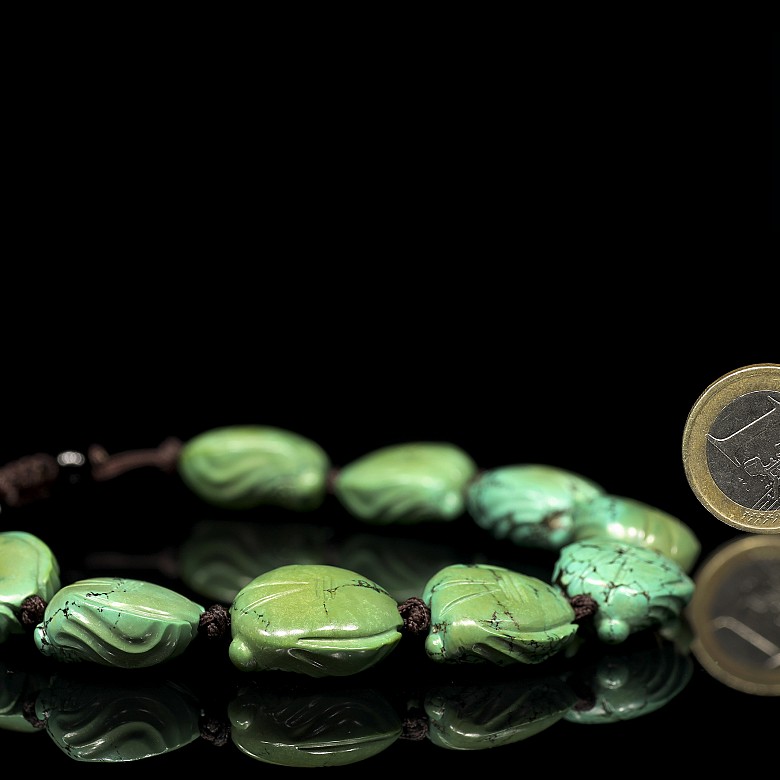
619, 566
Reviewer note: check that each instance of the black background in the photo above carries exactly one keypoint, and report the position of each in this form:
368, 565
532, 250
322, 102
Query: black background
430, 274
606, 402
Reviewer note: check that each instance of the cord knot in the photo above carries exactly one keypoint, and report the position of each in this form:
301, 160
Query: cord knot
32, 611
214, 622
415, 614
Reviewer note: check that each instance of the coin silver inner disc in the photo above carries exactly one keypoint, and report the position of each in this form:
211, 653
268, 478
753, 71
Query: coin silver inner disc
743, 450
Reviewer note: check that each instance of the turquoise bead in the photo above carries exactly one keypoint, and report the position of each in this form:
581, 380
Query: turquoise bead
635, 588
242, 467
530, 504
489, 613
118, 721
317, 620
27, 568
117, 622
321, 728
634, 522
407, 483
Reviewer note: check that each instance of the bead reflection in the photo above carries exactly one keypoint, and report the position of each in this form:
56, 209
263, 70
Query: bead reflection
117, 720
476, 717
279, 718
221, 557
18, 692
321, 728
621, 685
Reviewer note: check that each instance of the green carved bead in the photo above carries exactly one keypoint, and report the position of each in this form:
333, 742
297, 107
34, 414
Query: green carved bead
530, 504
489, 613
635, 588
27, 568
317, 620
631, 521
407, 483
242, 467
117, 622
118, 721
321, 728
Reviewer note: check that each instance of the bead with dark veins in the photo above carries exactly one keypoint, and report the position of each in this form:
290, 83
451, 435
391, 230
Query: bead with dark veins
488, 613
117, 622
635, 588
314, 619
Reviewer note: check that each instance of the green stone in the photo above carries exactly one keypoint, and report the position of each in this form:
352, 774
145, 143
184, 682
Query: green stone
407, 483
27, 568
476, 717
117, 622
318, 620
119, 720
489, 613
530, 504
635, 588
312, 729
633, 522
242, 467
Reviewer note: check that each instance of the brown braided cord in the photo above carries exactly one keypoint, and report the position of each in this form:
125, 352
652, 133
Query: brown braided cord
414, 727
28, 713
583, 606
214, 622
415, 614
27, 478
214, 730
105, 466
32, 611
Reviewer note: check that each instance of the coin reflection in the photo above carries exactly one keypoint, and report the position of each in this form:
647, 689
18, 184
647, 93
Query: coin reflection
735, 615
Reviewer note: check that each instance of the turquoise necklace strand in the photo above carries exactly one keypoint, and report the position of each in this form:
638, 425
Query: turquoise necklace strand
622, 565
620, 573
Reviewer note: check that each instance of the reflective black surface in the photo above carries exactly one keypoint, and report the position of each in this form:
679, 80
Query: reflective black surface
613, 417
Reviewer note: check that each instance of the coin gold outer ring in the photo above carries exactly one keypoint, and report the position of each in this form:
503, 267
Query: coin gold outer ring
720, 571
761, 376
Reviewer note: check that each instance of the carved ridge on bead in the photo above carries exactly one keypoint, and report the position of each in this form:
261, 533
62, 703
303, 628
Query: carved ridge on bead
117, 622
246, 466
634, 587
315, 619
